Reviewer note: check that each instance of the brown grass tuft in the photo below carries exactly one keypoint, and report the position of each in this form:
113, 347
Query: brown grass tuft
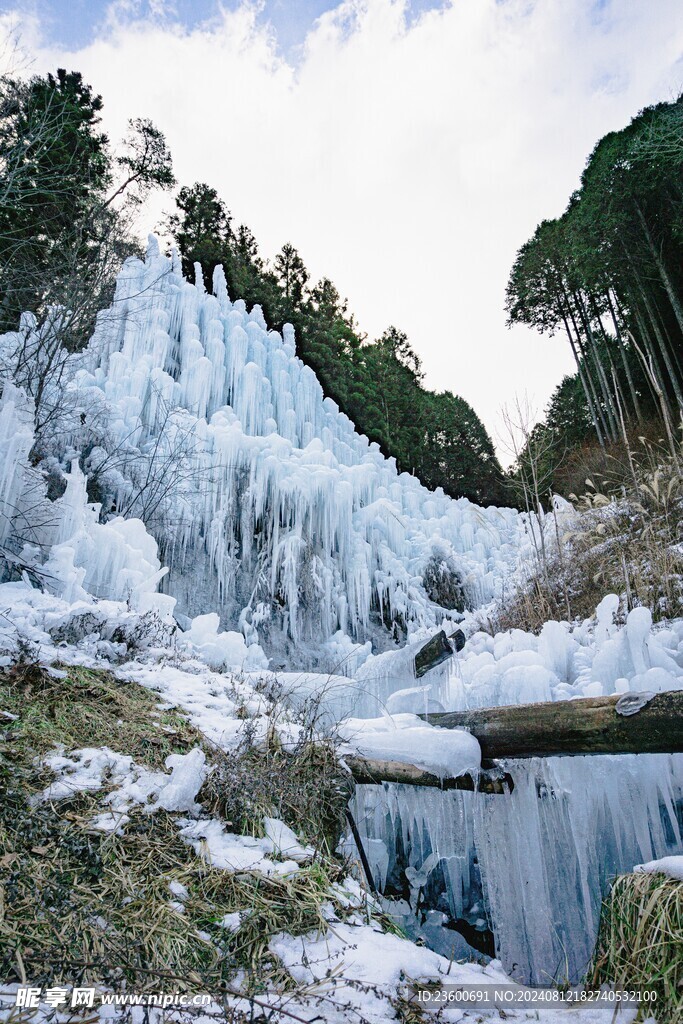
640, 943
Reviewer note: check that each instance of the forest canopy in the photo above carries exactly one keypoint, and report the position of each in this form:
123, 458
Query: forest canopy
608, 276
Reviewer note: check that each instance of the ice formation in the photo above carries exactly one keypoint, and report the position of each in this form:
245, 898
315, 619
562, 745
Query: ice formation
192, 439
534, 865
16, 440
405, 737
266, 503
116, 559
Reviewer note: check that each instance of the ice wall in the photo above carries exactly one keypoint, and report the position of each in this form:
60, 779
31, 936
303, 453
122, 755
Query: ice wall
266, 502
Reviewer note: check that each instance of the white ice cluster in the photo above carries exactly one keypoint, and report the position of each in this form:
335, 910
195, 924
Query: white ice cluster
117, 559
406, 738
16, 479
191, 415
586, 660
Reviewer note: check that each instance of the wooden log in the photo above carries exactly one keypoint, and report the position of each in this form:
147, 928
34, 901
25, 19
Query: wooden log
588, 725
372, 772
439, 648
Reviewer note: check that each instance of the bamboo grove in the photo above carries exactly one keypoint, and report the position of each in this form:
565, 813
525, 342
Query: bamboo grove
609, 275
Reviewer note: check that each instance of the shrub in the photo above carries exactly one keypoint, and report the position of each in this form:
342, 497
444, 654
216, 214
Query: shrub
625, 538
444, 585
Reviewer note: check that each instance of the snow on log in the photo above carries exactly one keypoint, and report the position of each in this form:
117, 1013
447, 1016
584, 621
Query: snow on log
588, 725
369, 771
404, 738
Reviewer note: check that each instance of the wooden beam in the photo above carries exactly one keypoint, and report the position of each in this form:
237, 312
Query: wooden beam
587, 725
372, 772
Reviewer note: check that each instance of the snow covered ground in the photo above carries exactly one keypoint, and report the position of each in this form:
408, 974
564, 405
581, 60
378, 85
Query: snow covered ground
525, 836
356, 970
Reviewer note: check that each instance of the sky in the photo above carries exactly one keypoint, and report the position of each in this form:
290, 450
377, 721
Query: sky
407, 149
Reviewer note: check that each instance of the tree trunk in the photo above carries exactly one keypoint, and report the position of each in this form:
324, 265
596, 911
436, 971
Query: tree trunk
602, 377
584, 384
662, 268
371, 772
594, 405
657, 387
624, 359
662, 346
589, 725
620, 399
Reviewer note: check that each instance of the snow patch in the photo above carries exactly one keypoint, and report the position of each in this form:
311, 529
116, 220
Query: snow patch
447, 753
671, 866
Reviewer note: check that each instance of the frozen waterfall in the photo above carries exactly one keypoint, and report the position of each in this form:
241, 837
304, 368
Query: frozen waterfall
265, 502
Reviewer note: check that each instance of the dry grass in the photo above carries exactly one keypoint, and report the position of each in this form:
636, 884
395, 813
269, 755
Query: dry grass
306, 787
647, 448
640, 944
79, 906
627, 539
90, 708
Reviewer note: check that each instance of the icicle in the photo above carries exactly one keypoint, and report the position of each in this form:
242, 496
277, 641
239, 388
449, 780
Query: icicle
152, 252
220, 285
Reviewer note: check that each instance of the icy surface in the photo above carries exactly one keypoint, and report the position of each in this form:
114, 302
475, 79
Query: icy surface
18, 484
536, 863
220, 649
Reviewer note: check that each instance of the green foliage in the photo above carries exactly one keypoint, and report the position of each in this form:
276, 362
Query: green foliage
459, 454
567, 414
378, 384
609, 273
54, 161
538, 471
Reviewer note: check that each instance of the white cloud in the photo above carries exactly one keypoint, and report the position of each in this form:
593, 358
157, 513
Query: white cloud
406, 163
